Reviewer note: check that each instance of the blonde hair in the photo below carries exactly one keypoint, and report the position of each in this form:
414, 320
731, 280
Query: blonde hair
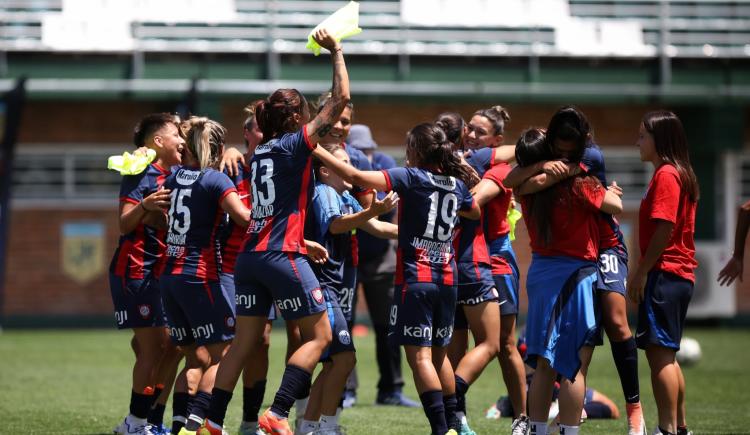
204, 139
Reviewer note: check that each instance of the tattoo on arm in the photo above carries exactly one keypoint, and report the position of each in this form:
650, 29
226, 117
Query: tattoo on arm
323, 130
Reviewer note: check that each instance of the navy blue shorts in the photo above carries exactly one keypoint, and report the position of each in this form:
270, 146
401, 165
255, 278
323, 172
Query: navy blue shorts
482, 289
342, 337
197, 311
285, 279
137, 302
346, 293
227, 283
613, 270
661, 314
422, 314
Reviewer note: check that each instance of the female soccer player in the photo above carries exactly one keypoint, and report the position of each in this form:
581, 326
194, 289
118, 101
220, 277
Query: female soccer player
563, 230
334, 215
568, 133
663, 281
432, 195
198, 309
272, 268
132, 276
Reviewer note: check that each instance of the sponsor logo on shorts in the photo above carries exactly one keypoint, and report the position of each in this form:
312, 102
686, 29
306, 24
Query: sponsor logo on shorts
177, 333
292, 304
144, 311
121, 317
446, 332
317, 294
471, 301
394, 314
418, 332
229, 321
345, 338
203, 331
244, 301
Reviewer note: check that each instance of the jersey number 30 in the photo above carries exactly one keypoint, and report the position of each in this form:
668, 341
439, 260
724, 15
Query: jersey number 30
448, 213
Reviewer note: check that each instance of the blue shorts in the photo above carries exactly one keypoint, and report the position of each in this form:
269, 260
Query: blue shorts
263, 279
346, 293
613, 270
198, 312
342, 337
507, 285
227, 283
482, 289
422, 314
137, 302
562, 316
661, 314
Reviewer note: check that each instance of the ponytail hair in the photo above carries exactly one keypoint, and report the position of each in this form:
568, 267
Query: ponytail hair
205, 138
497, 115
453, 126
429, 146
275, 114
671, 146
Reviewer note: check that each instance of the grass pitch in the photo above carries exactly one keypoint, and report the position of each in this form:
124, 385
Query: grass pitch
77, 382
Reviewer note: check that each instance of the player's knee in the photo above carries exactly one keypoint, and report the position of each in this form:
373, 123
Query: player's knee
346, 360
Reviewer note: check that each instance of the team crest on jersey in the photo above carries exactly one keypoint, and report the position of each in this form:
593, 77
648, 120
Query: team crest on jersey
344, 337
144, 311
317, 294
442, 181
186, 177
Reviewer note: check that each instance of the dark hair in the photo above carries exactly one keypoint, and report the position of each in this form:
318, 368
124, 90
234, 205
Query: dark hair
671, 146
453, 125
497, 116
204, 139
150, 124
432, 150
275, 114
532, 147
331, 148
324, 98
569, 124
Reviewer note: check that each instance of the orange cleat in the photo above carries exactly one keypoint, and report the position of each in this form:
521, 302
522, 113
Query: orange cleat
272, 425
636, 424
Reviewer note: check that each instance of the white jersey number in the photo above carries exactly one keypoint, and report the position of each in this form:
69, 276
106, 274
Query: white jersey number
448, 213
265, 179
608, 263
178, 207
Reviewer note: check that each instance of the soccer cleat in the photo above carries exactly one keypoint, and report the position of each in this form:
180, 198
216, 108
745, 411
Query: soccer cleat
636, 423
520, 426
466, 430
158, 430
451, 432
350, 399
132, 426
493, 413
272, 425
249, 428
396, 398
337, 430
184, 431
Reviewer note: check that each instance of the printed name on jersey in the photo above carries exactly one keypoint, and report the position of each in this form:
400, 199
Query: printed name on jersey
442, 181
203, 331
432, 251
176, 239
292, 304
186, 177
245, 301
262, 211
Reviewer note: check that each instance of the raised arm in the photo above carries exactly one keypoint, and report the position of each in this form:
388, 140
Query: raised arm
367, 179
232, 204
327, 117
612, 203
346, 223
505, 154
380, 229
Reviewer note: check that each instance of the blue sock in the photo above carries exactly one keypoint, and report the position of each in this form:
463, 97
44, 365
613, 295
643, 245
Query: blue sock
219, 402
198, 410
434, 409
252, 400
461, 388
625, 354
295, 384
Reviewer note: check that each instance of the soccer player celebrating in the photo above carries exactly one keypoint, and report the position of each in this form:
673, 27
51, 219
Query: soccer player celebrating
133, 276
663, 281
272, 267
563, 229
433, 194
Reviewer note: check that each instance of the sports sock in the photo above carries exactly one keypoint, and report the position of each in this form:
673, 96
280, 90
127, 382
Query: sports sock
179, 410
198, 409
538, 428
219, 402
434, 409
682, 430
307, 426
569, 430
449, 402
461, 388
328, 421
665, 432
157, 392
156, 415
140, 404
252, 400
300, 405
625, 354
295, 384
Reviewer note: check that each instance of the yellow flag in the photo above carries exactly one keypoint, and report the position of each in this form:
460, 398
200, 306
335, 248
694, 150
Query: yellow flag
514, 215
131, 164
341, 24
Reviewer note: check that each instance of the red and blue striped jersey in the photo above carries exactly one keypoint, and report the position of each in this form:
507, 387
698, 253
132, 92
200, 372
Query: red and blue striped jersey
195, 219
427, 214
232, 234
138, 253
282, 186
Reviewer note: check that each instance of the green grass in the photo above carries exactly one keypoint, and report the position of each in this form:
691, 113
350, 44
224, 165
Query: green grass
77, 382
